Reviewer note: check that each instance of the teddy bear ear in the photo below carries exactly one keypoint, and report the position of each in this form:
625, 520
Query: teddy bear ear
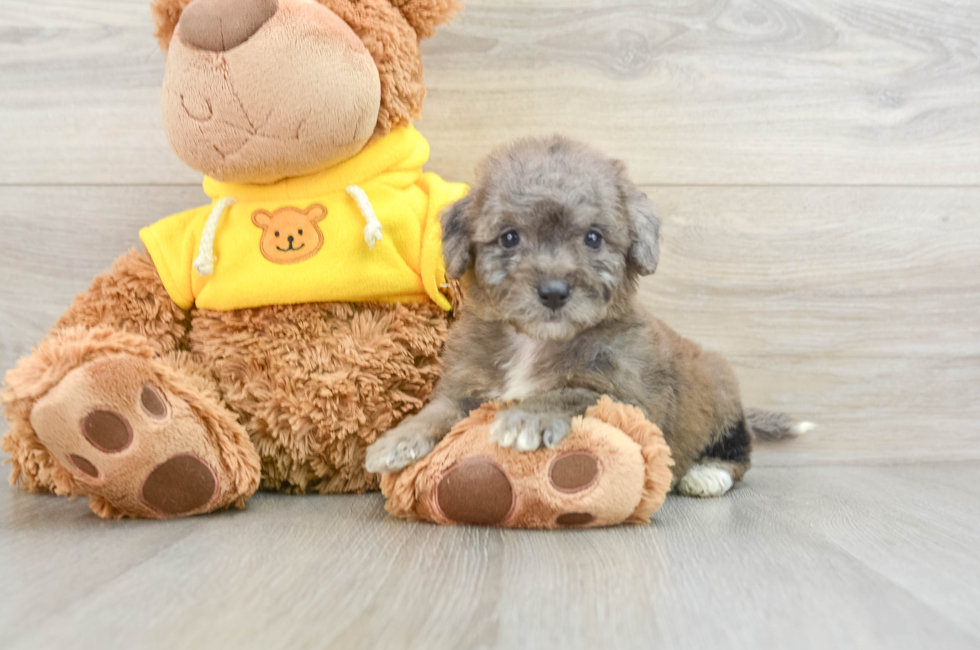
425, 15
316, 212
261, 218
166, 14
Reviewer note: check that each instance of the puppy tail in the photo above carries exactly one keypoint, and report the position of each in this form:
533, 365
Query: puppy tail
774, 425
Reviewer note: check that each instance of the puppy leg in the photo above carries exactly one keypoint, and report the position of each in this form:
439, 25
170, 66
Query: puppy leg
414, 437
541, 419
721, 465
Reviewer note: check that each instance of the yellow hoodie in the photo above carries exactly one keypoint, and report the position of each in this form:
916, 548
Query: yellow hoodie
364, 230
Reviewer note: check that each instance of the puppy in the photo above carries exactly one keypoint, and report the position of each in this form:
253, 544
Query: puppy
549, 245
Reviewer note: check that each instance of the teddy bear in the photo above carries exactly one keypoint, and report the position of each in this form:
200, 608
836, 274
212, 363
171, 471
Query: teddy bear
264, 339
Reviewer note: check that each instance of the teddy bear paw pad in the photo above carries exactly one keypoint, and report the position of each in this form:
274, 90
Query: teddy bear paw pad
126, 438
574, 471
575, 519
181, 484
84, 465
107, 431
475, 491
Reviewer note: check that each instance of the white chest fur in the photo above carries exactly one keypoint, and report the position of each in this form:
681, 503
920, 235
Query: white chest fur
519, 380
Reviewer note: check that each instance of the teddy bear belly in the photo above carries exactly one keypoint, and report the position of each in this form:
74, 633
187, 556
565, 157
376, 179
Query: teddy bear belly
314, 384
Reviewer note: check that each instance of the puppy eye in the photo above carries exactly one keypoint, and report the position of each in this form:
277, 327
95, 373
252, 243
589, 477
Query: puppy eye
277, 233
593, 239
301, 232
510, 239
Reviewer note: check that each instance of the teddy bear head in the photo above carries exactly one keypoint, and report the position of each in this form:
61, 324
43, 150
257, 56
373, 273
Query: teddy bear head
256, 91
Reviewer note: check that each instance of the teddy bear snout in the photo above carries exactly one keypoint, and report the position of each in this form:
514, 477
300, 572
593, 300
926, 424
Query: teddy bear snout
220, 25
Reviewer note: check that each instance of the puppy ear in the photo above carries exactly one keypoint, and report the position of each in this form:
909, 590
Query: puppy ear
166, 14
644, 251
456, 237
262, 219
425, 15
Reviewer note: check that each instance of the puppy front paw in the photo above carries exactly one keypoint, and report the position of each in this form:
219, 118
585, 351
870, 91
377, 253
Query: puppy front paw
526, 431
395, 452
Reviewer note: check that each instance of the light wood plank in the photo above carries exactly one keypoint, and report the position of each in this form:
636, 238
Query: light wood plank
701, 92
792, 558
55, 553
854, 307
857, 308
889, 519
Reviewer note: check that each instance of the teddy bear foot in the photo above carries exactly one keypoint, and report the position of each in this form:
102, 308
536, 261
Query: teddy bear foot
614, 467
133, 445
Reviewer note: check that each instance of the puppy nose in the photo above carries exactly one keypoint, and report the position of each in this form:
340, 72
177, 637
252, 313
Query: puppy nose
219, 25
554, 293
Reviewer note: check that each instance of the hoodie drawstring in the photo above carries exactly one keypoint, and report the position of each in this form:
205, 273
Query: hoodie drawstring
372, 231
204, 263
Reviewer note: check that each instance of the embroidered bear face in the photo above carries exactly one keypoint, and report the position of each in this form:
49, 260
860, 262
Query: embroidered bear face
290, 235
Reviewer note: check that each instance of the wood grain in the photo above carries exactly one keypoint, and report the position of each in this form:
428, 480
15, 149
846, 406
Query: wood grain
802, 558
699, 92
857, 308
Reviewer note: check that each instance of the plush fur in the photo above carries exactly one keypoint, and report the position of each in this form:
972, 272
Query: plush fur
285, 396
317, 383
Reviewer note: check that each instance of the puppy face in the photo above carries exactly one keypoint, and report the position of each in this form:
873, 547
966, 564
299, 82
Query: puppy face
551, 238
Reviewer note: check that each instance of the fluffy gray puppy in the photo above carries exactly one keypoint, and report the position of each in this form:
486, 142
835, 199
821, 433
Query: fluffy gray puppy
549, 245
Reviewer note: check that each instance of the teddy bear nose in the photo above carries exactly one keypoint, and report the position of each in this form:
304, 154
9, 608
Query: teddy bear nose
220, 25
290, 238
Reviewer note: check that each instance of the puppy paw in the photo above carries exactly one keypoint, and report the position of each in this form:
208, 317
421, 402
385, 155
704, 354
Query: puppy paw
525, 431
396, 451
705, 481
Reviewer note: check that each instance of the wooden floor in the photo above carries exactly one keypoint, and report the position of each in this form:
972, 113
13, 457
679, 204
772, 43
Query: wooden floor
816, 164
829, 557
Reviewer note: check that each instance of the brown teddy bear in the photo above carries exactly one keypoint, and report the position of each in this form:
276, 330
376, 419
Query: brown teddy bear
269, 337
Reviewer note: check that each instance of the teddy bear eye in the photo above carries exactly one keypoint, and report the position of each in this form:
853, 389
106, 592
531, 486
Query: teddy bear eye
301, 232
277, 233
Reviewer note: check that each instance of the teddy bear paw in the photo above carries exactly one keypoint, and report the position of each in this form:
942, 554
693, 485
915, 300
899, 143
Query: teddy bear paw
127, 439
